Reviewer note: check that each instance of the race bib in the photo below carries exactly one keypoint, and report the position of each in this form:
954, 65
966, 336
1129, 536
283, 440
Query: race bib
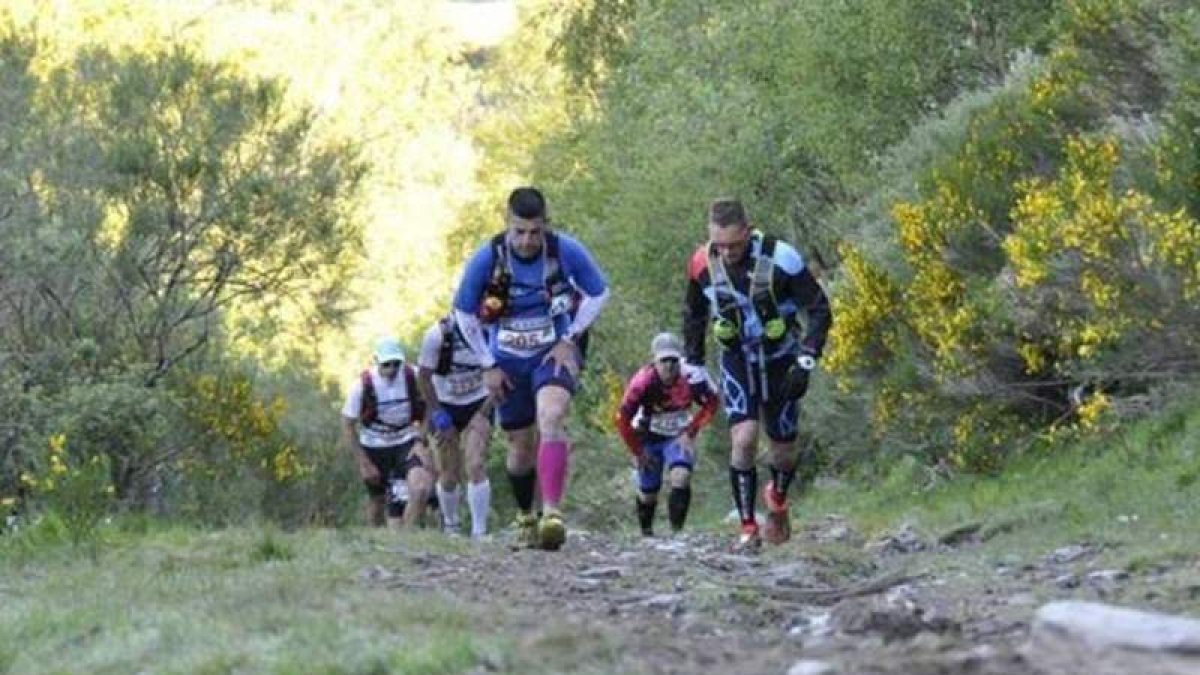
392, 427
464, 383
526, 337
396, 415
669, 423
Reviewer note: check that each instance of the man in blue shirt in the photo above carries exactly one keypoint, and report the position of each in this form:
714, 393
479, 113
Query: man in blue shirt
523, 303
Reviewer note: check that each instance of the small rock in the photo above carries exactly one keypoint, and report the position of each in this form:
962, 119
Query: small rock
810, 667
375, 573
610, 572
1066, 581
907, 540
587, 585
673, 546
978, 654
1069, 554
893, 617
661, 601
1101, 577
838, 533
812, 625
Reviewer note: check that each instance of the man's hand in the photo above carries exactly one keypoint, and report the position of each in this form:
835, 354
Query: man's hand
687, 443
497, 383
795, 380
441, 423
421, 451
564, 354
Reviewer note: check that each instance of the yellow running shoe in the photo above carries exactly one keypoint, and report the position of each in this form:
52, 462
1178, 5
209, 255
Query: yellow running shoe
527, 530
552, 531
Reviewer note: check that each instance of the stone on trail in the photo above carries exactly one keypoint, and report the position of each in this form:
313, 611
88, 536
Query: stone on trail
1099, 639
906, 540
610, 572
810, 667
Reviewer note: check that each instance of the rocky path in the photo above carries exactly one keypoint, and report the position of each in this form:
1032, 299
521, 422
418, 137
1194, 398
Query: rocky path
827, 602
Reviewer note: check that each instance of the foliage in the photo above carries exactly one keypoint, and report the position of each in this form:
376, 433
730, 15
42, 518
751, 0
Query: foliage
179, 192
1042, 275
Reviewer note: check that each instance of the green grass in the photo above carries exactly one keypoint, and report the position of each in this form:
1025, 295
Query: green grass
1135, 492
149, 597
237, 600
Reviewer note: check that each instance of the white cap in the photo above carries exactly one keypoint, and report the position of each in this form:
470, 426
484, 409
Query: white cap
666, 345
388, 349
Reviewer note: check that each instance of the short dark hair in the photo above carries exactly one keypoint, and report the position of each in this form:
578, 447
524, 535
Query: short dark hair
527, 203
725, 211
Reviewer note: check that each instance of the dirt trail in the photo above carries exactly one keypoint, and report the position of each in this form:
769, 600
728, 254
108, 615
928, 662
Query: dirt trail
827, 602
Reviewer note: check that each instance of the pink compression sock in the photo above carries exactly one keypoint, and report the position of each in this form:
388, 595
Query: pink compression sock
552, 470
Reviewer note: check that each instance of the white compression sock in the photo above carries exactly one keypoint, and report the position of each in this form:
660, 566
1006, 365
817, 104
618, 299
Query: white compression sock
479, 498
448, 501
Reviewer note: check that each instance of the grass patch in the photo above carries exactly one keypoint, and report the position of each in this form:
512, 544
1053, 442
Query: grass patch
237, 600
181, 600
1135, 492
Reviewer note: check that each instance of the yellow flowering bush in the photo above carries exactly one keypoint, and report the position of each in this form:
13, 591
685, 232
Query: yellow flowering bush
1040, 255
1112, 260
863, 334
77, 490
240, 429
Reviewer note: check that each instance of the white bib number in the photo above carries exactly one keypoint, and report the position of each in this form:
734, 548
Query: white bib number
462, 384
526, 337
669, 423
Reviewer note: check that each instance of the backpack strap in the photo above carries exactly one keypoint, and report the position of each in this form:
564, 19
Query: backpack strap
446, 351
555, 280
416, 403
762, 291
495, 300
368, 411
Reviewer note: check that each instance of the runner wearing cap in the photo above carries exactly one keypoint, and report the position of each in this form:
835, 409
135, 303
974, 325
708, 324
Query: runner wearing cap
381, 426
656, 422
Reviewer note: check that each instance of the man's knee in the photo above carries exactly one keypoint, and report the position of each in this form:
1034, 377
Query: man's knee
553, 416
420, 480
742, 455
475, 468
681, 476
522, 450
